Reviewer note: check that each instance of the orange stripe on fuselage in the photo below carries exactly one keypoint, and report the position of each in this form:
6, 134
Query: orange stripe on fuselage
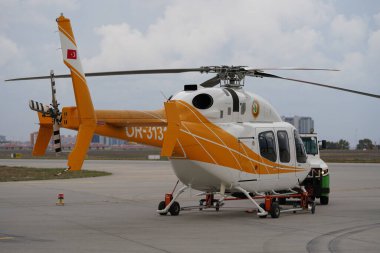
206, 142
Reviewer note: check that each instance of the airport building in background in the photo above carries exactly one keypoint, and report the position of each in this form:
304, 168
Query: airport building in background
33, 138
69, 140
302, 124
2, 138
107, 141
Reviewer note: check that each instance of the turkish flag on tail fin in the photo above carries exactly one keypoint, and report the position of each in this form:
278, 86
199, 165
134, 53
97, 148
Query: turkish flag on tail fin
71, 54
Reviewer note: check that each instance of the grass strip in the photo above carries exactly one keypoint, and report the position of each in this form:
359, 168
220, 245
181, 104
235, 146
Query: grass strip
11, 174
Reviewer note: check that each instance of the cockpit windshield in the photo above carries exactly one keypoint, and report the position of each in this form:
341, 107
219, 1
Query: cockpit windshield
311, 145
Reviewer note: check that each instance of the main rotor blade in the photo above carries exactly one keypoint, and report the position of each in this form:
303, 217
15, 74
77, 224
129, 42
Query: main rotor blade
290, 68
147, 71
258, 74
128, 72
205, 69
211, 82
37, 77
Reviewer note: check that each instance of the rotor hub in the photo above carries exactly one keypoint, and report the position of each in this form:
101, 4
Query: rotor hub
229, 76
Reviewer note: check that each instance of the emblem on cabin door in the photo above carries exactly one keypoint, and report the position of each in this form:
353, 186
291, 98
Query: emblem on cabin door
255, 109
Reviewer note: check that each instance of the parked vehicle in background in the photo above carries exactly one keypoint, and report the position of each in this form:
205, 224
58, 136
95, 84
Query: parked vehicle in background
317, 183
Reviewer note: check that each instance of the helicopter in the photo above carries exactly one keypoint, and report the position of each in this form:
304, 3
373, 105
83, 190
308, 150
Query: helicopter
219, 138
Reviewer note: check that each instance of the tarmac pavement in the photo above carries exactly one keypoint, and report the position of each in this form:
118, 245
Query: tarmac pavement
118, 214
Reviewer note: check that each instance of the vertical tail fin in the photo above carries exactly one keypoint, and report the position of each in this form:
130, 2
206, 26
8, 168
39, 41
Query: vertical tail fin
83, 100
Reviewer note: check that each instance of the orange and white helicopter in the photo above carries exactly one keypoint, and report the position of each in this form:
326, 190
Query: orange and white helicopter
218, 137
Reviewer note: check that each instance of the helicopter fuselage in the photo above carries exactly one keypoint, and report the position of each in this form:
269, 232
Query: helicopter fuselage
225, 136
235, 138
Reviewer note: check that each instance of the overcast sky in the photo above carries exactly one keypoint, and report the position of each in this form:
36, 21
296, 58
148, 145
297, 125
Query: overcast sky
125, 34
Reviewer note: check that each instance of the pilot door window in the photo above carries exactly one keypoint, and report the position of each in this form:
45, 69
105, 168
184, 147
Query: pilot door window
283, 146
267, 145
300, 148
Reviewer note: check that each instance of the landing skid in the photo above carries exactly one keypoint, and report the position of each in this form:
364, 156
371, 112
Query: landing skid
272, 205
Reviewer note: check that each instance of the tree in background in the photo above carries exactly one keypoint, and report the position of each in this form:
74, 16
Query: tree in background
365, 144
341, 144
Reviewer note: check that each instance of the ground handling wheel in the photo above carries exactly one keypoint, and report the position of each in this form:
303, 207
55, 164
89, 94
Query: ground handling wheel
262, 205
162, 206
201, 205
324, 200
275, 210
313, 208
175, 208
217, 206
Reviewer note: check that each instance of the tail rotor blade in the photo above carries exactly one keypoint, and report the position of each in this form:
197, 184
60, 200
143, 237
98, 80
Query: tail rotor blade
39, 107
56, 137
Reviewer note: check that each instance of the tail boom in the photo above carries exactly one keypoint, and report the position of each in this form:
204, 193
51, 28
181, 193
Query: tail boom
146, 127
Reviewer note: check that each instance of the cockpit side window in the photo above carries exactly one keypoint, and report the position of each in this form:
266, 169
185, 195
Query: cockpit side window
267, 145
300, 148
283, 146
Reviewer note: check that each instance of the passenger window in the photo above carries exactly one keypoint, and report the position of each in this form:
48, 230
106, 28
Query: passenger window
283, 146
267, 145
300, 149
242, 109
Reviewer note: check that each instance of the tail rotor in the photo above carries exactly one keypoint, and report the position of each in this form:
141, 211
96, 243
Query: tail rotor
52, 111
